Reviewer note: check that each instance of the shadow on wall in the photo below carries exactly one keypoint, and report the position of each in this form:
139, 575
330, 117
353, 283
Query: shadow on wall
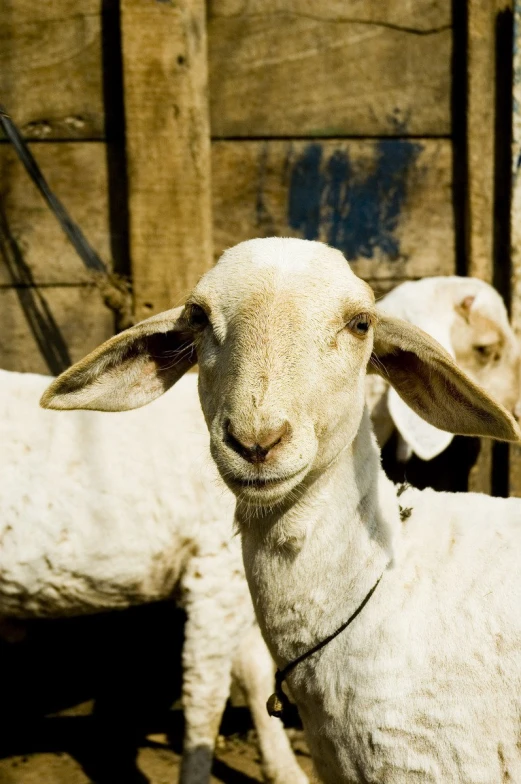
448, 471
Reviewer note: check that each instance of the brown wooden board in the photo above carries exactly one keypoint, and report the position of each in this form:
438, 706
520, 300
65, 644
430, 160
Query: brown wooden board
420, 15
356, 67
480, 136
480, 184
329, 68
80, 316
77, 173
480, 476
168, 149
51, 67
515, 224
386, 203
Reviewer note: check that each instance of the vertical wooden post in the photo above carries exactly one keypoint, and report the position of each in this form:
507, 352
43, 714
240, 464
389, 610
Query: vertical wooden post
480, 151
168, 148
480, 136
515, 224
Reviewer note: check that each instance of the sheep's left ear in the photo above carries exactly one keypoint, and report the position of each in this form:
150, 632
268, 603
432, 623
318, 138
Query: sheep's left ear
129, 370
428, 380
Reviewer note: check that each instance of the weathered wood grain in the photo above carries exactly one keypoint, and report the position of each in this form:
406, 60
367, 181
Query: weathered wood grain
329, 68
81, 319
480, 166
421, 15
480, 476
77, 172
168, 148
51, 67
480, 136
356, 67
515, 223
515, 471
386, 204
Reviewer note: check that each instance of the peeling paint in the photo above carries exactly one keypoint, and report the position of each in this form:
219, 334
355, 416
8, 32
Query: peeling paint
355, 211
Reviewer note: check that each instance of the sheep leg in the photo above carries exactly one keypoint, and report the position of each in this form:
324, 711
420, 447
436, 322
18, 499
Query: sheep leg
254, 669
207, 661
217, 617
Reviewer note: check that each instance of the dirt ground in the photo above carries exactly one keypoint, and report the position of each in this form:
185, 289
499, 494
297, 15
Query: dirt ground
64, 750
90, 700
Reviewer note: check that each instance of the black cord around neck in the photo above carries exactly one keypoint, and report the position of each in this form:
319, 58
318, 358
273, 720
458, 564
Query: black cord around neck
278, 701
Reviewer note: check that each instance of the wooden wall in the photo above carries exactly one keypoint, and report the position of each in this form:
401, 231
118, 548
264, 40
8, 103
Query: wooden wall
51, 82
331, 120
327, 120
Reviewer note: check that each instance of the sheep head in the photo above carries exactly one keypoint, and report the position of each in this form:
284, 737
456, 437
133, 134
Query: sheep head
469, 318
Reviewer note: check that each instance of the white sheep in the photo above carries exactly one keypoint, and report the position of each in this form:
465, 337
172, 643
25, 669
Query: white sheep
424, 685
100, 514
54, 582
469, 319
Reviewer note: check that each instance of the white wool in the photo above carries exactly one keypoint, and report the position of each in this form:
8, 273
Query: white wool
101, 511
281, 257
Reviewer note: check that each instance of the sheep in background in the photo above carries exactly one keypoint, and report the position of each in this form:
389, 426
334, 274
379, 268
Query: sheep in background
100, 514
469, 319
425, 682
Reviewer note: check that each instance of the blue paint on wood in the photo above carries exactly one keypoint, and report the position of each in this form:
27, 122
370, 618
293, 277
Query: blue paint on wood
355, 211
305, 193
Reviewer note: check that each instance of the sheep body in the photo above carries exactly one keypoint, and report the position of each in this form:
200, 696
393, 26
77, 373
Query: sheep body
91, 522
102, 512
424, 686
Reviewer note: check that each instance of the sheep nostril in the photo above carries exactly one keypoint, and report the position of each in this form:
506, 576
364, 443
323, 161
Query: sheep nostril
267, 439
256, 449
231, 439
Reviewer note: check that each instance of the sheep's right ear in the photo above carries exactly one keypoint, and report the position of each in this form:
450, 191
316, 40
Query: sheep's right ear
425, 440
428, 380
129, 370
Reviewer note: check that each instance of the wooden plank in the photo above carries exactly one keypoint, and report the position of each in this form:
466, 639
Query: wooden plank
421, 15
387, 204
81, 319
77, 172
480, 164
304, 68
515, 223
168, 148
480, 136
480, 476
51, 67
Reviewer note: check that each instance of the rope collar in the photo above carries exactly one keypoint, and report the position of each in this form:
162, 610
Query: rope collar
278, 703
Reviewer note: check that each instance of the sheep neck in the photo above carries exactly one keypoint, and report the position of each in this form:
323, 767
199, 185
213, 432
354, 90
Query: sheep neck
340, 542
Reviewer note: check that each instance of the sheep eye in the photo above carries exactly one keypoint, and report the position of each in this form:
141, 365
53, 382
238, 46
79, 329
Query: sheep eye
483, 352
360, 324
196, 317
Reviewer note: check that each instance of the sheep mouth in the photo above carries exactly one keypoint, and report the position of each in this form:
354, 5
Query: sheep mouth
259, 483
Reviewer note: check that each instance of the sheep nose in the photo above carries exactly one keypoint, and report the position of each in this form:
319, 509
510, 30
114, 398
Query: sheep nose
517, 411
256, 449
